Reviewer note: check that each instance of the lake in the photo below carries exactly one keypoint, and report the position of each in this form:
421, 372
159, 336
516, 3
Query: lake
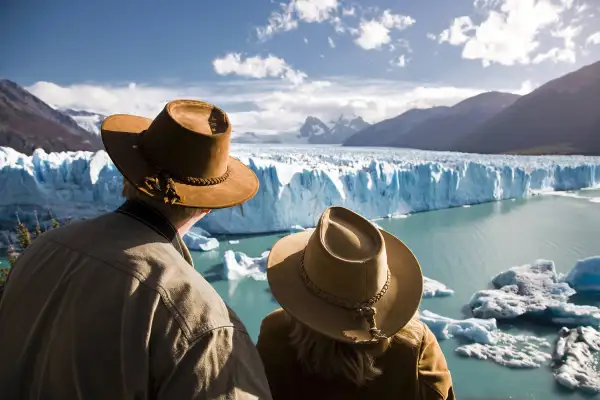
463, 248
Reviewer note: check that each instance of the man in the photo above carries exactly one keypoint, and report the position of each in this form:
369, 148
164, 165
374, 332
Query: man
112, 308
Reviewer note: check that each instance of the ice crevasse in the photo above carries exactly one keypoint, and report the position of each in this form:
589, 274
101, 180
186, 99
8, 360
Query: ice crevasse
297, 184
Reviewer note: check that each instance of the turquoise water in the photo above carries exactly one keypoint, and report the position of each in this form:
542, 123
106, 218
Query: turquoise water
463, 248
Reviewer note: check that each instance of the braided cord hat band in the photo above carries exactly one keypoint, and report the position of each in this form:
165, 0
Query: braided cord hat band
364, 309
163, 182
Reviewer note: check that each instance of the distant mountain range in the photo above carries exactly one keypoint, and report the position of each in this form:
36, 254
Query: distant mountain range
27, 123
312, 131
90, 121
560, 117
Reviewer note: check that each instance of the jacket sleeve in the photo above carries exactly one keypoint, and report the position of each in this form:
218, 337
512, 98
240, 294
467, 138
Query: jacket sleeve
435, 382
222, 364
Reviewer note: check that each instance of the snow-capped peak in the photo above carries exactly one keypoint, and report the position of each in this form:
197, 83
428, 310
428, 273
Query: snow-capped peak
88, 120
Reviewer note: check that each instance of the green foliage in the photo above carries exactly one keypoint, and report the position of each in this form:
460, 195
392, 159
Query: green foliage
24, 239
38, 228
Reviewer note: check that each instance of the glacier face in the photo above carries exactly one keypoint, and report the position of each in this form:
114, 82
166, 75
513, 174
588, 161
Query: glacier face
297, 183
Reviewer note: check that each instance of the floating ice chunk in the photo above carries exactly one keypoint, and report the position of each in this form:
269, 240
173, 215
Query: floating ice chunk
512, 351
474, 329
237, 265
433, 288
585, 275
521, 290
574, 359
196, 241
234, 241
297, 228
467, 206
534, 290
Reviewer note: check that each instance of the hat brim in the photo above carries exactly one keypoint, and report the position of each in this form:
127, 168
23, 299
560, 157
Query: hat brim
394, 310
120, 135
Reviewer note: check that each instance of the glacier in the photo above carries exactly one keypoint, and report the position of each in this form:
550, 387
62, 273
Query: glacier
297, 183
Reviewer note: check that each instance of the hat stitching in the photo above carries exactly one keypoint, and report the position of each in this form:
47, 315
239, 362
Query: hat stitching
362, 309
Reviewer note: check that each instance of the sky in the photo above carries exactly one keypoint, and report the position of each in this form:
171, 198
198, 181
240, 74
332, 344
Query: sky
270, 64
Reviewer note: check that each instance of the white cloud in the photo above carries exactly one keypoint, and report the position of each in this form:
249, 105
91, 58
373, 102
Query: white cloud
399, 61
562, 54
298, 10
257, 67
373, 34
431, 36
593, 39
264, 106
512, 31
305, 40
278, 22
331, 42
350, 11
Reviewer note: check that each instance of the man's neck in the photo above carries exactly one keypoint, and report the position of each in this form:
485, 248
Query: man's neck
184, 227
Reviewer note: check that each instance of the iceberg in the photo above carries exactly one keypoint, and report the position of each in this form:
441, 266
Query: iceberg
297, 183
237, 265
197, 241
512, 351
474, 329
534, 290
585, 275
433, 288
574, 359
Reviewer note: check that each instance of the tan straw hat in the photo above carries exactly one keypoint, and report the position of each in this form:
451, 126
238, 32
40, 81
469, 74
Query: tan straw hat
347, 279
181, 157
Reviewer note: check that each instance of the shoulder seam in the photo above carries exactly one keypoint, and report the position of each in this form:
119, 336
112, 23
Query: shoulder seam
165, 299
196, 339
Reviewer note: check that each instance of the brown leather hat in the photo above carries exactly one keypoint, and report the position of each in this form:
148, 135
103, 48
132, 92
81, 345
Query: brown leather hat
181, 157
347, 279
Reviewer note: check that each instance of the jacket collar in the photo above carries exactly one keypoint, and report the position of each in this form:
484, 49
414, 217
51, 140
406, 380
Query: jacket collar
157, 222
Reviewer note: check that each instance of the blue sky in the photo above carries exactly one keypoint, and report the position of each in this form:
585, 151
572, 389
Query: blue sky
271, 64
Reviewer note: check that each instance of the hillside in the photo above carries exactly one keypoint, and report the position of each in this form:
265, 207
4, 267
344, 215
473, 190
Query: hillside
560, 117
387, 131
27, 123
443, 131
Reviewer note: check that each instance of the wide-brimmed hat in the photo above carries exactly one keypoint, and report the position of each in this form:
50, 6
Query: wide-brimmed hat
181, 157
347, 279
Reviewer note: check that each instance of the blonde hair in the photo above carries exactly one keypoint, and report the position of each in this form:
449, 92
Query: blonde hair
329, 358
175, 214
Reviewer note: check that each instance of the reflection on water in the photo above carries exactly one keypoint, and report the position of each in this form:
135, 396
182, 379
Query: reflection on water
463, 248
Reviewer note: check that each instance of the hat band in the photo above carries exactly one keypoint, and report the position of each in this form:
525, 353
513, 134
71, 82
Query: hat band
363, 309
162, 182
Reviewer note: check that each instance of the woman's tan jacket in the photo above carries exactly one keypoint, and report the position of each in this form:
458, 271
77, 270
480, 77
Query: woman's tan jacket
411, 369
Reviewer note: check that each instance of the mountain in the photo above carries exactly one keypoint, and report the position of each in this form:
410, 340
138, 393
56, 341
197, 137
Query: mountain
443, 131
560, 117
90, 121
27, 123
312, 131
385, 132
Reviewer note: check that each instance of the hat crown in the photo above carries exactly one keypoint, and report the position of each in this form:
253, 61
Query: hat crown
189, 138
346, 256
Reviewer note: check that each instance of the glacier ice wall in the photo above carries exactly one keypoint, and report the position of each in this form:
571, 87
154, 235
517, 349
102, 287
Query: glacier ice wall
298, 183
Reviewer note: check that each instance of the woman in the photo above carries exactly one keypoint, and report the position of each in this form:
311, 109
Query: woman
348, 328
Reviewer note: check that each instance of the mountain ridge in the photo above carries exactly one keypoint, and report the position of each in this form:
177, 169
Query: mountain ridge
27, 123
